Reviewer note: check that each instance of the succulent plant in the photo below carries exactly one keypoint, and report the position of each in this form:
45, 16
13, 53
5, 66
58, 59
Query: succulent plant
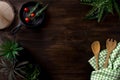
101, 8
12, 70
9, 49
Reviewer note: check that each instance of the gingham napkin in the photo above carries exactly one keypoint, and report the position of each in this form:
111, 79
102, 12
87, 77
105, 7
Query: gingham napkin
112, 72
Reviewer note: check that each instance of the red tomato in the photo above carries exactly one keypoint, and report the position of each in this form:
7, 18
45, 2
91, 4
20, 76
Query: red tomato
26, 9
32, 14
27, 20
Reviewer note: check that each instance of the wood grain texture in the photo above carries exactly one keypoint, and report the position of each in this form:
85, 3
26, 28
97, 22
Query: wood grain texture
6, 14
62, 45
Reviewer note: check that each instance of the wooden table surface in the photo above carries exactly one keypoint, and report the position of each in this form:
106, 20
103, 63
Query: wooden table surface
62, 45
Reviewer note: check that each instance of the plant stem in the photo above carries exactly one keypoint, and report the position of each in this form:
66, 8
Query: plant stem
33, 9
41, 10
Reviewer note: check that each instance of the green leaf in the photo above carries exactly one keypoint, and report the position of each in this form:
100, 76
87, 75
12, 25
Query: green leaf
18, 49
109, 6
116, 7
41, 10
91, 12
10, 49
100, 13
33, 9
33, 72
100, 8
4, 54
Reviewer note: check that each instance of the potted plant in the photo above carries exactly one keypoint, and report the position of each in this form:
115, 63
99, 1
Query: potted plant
9, 49
101, 7
23, 70
14, 68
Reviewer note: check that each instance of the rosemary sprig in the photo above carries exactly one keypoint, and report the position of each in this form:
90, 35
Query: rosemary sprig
33, 9
41, 10
38, 13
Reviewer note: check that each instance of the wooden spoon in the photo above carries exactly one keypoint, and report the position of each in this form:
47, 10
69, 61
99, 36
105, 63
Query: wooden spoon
96, 49
110, 45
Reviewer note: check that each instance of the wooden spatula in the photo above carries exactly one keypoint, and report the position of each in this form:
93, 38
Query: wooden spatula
96, 49
110, 45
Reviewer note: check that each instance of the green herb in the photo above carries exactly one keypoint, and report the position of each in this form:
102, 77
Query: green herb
9, 49
37, 13
33, 9
101, 8
41, 11
33, 72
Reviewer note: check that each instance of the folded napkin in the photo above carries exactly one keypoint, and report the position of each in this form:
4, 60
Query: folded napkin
112, 72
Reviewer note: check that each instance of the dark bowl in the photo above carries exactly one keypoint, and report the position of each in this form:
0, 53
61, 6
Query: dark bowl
33, 23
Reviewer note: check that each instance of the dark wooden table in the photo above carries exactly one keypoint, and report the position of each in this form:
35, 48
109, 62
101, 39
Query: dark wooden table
62, 45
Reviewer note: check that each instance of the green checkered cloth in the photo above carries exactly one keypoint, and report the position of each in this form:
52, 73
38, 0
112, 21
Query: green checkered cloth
112, 72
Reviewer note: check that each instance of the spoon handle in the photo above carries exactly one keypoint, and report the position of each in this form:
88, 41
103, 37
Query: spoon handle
97, 65
107, 59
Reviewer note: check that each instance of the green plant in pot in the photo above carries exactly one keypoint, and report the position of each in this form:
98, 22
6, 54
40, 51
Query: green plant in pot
9, 49
23, 70
12, 67
101, 7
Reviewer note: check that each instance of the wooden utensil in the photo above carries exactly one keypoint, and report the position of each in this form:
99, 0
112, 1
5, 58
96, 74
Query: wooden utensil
96, 49
6, 14
110, 45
